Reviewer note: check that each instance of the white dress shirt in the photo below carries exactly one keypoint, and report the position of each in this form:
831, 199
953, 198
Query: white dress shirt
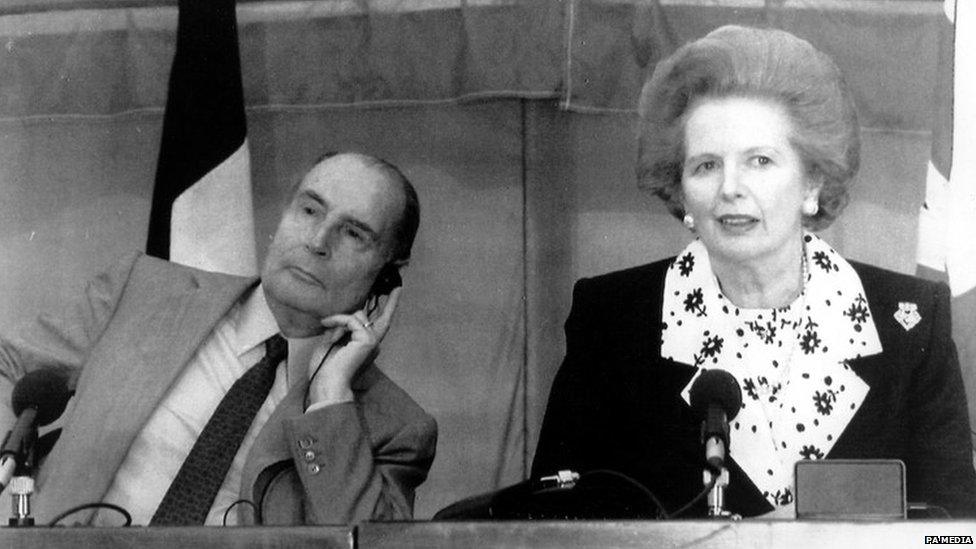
155, 457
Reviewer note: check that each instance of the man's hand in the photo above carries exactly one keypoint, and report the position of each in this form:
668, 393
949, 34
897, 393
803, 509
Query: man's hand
354, 342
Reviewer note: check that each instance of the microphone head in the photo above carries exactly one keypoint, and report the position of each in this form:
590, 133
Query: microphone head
716, 387
45, 390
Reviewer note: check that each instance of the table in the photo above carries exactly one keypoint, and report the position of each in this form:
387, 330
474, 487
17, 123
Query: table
296, 537
691, 533
503, 534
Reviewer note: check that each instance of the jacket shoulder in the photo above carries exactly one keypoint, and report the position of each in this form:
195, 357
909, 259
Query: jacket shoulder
159, 277
632, 274
153, 267
611, 290
885, 286
893, 297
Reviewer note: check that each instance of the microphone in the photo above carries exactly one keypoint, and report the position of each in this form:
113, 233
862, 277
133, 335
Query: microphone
38, 399
716, 397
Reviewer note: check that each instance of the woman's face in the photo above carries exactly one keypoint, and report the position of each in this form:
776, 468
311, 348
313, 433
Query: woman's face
742, 181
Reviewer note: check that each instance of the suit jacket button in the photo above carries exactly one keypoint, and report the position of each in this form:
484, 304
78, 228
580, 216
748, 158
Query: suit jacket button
305, 443
309, 455
313, 468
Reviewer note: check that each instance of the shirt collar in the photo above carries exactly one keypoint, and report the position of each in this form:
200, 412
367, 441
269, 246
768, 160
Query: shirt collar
254, 322
833, 292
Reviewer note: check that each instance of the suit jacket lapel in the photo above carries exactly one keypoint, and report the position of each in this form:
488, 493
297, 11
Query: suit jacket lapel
141, 353
643, 335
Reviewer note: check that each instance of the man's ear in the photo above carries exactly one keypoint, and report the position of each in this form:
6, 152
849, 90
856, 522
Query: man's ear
399, 263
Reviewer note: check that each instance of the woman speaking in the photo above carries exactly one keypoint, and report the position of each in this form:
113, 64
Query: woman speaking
751, 139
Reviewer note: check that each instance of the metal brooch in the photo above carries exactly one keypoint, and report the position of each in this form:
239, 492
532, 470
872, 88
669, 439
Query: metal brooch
907, 315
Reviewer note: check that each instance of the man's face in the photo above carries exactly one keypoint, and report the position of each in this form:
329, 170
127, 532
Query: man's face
333, 239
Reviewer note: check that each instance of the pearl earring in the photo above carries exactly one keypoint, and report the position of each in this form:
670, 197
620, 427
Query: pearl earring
689, 222
811, 207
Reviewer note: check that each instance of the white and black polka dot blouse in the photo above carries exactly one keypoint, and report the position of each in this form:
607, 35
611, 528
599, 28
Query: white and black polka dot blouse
791, 363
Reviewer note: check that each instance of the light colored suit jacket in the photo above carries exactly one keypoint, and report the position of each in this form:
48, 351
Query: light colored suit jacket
125, 343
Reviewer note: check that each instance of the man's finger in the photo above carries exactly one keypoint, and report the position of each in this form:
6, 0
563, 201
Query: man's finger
382, 323
337, 321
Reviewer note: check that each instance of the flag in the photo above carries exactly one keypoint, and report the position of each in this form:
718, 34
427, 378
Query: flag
947, 221
202, 212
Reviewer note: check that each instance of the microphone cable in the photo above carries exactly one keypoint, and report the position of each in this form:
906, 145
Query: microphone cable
125, 514
696, 499
660, 512
257, 512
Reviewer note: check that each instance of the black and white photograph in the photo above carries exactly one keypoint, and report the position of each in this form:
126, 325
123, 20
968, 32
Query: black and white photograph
487, 273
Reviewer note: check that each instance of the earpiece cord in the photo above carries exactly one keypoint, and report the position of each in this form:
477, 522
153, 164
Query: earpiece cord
372, 303
343, 340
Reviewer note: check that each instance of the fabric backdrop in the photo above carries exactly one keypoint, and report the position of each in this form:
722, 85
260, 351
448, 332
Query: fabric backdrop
515, 121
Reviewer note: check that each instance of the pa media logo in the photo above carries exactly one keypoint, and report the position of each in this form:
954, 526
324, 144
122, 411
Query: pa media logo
949, 540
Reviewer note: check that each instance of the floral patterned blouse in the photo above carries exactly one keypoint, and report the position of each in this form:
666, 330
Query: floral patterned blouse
798, 393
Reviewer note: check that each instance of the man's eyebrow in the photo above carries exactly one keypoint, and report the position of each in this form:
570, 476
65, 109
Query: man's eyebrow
358, 223
312, 195
363, 227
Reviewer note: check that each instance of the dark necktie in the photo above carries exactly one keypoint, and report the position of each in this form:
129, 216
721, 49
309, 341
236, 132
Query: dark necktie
191, 495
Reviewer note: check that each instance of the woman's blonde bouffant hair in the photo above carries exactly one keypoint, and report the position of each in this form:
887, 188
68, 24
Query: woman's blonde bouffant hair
767, 64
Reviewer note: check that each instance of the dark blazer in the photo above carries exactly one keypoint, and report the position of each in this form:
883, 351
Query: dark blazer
616, 404
127, 340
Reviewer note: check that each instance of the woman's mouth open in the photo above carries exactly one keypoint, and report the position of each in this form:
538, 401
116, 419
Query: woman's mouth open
737, 222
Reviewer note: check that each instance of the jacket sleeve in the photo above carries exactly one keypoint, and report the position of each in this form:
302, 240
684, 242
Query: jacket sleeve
61, 342
940, 467
345, 479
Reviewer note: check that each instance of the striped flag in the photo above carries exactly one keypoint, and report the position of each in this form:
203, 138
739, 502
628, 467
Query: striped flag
202, 212
947, 221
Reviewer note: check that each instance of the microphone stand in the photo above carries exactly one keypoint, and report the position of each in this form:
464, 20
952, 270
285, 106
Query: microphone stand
715, 436
37, 399
716, 496
22, 484
21, 489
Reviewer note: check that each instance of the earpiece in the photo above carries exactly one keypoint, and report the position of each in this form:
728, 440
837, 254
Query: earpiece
386, 281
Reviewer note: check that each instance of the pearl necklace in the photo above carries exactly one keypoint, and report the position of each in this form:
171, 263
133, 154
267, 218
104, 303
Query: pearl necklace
796, 328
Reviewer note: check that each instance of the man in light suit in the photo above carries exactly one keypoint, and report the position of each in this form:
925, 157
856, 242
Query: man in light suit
152, 348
